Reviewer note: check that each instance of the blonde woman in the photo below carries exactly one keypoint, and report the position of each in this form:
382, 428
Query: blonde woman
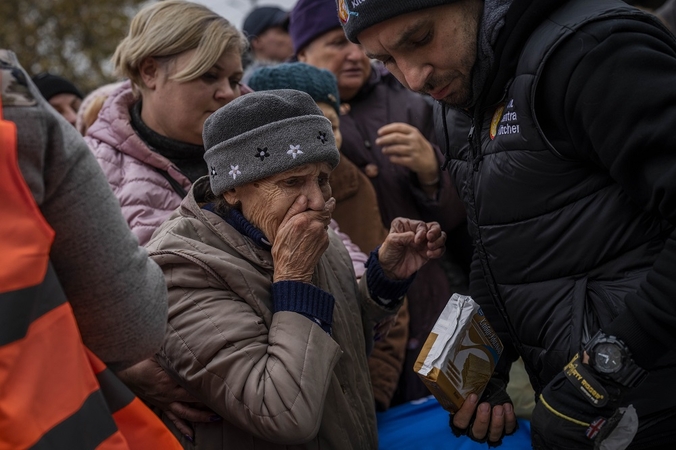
183, 62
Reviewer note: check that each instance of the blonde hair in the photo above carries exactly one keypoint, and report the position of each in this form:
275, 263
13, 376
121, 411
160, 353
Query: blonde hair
92, 104
169, 28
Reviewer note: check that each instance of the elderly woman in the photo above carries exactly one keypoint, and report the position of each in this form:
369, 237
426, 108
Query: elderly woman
183, 62
356, 212
267, 324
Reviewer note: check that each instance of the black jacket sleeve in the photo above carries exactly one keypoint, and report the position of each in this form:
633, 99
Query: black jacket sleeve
608, 95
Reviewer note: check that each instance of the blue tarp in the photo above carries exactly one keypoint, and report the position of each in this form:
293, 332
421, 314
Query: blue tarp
423, 425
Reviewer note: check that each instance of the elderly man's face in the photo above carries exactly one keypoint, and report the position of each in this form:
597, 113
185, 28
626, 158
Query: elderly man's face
347, 61
265, 202
431, 51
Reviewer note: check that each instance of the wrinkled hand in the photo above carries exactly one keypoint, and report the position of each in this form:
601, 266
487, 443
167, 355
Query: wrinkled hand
301, 240
406, 146
492, 419
151, 383
409, 245
565, 418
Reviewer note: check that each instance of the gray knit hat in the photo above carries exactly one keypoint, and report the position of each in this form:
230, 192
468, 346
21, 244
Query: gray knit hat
357, 15
265, 133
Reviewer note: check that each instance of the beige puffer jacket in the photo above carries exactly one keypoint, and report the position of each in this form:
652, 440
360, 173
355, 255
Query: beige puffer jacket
273, 377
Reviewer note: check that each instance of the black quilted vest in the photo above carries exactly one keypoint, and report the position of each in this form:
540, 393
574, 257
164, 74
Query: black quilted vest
560, 243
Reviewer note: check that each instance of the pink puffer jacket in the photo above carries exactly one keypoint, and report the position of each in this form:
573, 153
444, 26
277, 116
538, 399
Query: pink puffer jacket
145, 196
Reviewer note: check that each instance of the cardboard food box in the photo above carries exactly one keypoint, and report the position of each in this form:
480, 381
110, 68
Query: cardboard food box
460, 353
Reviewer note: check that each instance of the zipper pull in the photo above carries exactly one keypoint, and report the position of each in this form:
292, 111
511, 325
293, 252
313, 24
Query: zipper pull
470, 136
472, 148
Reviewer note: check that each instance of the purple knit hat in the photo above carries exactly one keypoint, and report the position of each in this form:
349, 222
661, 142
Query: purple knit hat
310, 19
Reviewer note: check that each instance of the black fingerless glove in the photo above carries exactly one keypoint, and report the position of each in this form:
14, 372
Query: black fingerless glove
495, 394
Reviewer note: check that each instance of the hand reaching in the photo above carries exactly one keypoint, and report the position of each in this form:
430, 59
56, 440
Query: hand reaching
409, 245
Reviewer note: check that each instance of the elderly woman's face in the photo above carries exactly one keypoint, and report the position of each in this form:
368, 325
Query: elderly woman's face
266, 202
346, 60
178, 109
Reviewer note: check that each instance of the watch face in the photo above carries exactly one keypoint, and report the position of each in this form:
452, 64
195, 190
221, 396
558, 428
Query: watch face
607, 358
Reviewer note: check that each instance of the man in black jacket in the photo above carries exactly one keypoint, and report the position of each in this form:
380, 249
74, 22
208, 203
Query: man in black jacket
568, 173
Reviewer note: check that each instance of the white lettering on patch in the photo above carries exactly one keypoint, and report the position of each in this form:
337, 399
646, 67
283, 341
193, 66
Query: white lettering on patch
509, 122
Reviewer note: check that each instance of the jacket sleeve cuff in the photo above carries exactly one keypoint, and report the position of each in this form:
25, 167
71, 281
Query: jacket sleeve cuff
383, 290
306, 299
645, 350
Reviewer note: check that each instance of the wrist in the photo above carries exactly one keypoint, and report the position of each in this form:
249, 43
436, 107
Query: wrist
276, 278
429, 177
585, 380
384, 289
430, 183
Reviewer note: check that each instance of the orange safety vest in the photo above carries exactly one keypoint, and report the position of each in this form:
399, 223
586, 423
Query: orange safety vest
54, 392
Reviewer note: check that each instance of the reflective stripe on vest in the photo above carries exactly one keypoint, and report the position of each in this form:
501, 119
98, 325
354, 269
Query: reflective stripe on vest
54, 393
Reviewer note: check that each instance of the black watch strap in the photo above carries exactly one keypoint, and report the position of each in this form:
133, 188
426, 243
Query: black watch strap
630, 374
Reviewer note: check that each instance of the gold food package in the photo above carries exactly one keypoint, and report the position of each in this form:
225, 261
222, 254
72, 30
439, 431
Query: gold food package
460, 353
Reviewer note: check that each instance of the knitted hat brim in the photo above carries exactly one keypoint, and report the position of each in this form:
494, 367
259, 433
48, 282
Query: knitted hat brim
356, 16
269, 150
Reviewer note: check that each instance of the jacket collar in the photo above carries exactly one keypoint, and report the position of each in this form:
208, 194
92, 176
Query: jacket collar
113, 127
241, 224
521, 19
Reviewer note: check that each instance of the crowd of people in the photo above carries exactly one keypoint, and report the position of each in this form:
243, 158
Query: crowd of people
255, 230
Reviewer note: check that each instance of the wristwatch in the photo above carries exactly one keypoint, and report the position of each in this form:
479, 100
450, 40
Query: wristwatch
611, 359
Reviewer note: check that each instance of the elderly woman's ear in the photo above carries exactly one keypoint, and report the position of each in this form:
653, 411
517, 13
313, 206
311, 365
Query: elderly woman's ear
230, 196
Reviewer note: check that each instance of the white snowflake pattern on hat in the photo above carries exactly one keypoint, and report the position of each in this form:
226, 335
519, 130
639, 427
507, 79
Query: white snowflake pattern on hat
234, 171
294, 150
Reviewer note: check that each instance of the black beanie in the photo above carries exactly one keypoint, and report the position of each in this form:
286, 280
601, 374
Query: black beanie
51, 85
357, 15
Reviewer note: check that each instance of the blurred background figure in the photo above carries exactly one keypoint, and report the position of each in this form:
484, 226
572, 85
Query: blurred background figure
61, 94
269, 42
